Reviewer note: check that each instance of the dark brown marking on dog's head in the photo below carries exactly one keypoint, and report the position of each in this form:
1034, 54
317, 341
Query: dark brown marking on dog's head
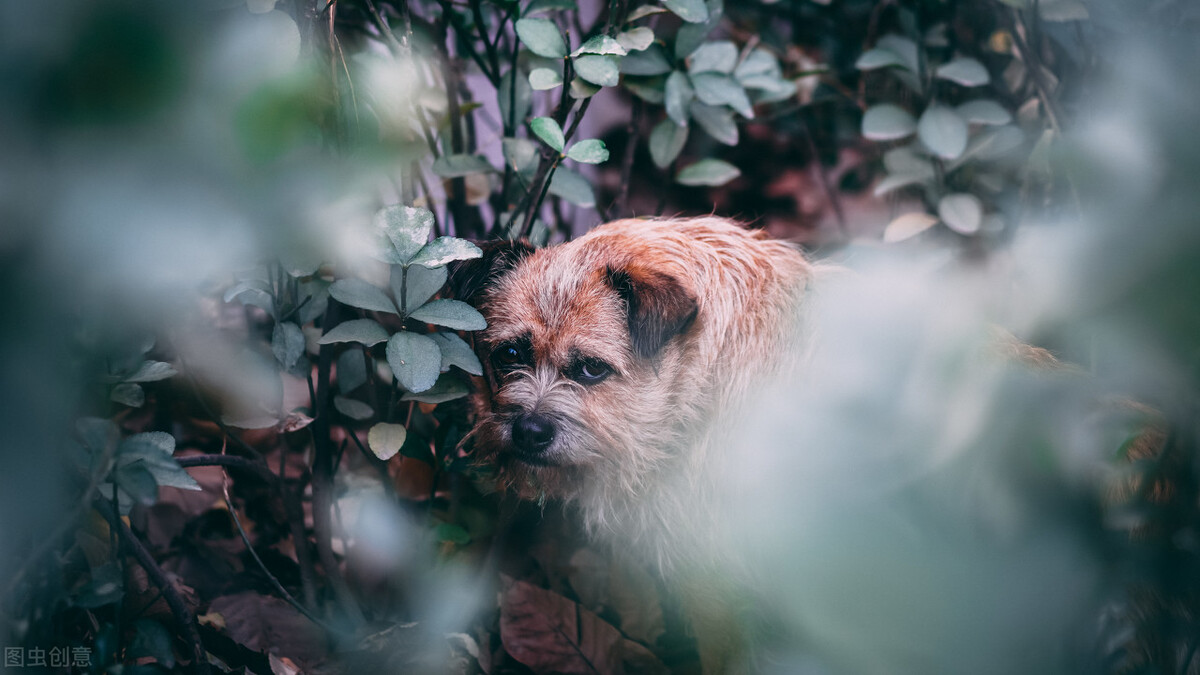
469, 278
659, 307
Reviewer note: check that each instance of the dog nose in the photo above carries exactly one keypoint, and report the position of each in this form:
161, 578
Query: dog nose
533, 432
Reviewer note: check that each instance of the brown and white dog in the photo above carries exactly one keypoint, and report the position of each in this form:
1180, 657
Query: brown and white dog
618, 363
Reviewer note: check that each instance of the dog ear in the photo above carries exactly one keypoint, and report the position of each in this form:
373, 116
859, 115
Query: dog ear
469, 278
659, 307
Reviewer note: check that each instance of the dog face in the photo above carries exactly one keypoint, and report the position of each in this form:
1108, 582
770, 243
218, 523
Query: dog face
585, 345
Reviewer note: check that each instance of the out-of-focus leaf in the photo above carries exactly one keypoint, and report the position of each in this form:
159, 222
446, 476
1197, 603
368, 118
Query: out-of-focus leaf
400, 231
710, 172
548, 130
358, 293
906, 49
679, 94
456, 352
444, 250
600, 70
758, 63
896, 181
907, 226
515, 97
352, 408
887, 122
965, 71
151, 371
1062, 10
549, 633
451, 314
539, 6
692, 11
151, 639
521, 154
590, 151
415, 360
107, 585
386, 439
454, 534
457, 166
137, 481
572, 187
351, 370
878, 57
644, 11
448, 388
650, 61
717, 121
258, 422
363, 331
943, 131
984, 111
635, 39
719, 56
128, 394
719, 89
287, 344
541, 36
961, 212
581, 88
600, 44
666, 141
156, 451
649, 89
542, 79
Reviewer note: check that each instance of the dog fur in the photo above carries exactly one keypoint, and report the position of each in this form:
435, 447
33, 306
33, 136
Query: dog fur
692, 316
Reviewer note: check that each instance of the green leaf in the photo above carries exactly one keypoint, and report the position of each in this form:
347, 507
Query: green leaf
422, 284
97, 434
287, 344
128, 394
542, 79
961, 212
151, 639
262, 422
651, 61
415, 360
352, 408
720, 56
385, 440
515, 97
105, 587
447, 389
943, 131
878, 58
400, 231
541, 36
151, 371
666, 142
692, 11
521, 155
451, 314
358, 293
445, 250
719, 89
907, 160
902, 47
600, 70
299, 262
984, 111
137, 481
1062, 10
679, 94
456, 352
907, 226
590, 151
156, 451
643, 12
716, 121
455, 534
710, 172
572, 187
887, 122
548, 130
539, 6
583, 89
965, 71
771, 91
635, 39
457, 166
649, 89
351, 370
601, 44
363, 331
896, 181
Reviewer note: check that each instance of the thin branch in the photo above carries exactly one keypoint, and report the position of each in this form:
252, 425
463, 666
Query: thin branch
183, 616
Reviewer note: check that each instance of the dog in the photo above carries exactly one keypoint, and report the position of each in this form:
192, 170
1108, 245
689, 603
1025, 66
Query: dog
616, 365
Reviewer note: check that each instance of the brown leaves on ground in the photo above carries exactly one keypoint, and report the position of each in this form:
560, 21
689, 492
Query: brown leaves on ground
550, 633
270, 625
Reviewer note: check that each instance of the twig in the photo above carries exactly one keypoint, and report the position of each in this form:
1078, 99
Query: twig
179, 609
233, 461
619, 205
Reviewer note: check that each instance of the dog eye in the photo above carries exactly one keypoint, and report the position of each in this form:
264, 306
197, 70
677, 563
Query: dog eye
506, 356
592, 372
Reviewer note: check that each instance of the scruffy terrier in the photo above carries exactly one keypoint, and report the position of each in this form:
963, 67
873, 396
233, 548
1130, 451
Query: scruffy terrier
617, 364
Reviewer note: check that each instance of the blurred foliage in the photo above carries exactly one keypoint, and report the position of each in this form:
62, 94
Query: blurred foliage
234, 440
